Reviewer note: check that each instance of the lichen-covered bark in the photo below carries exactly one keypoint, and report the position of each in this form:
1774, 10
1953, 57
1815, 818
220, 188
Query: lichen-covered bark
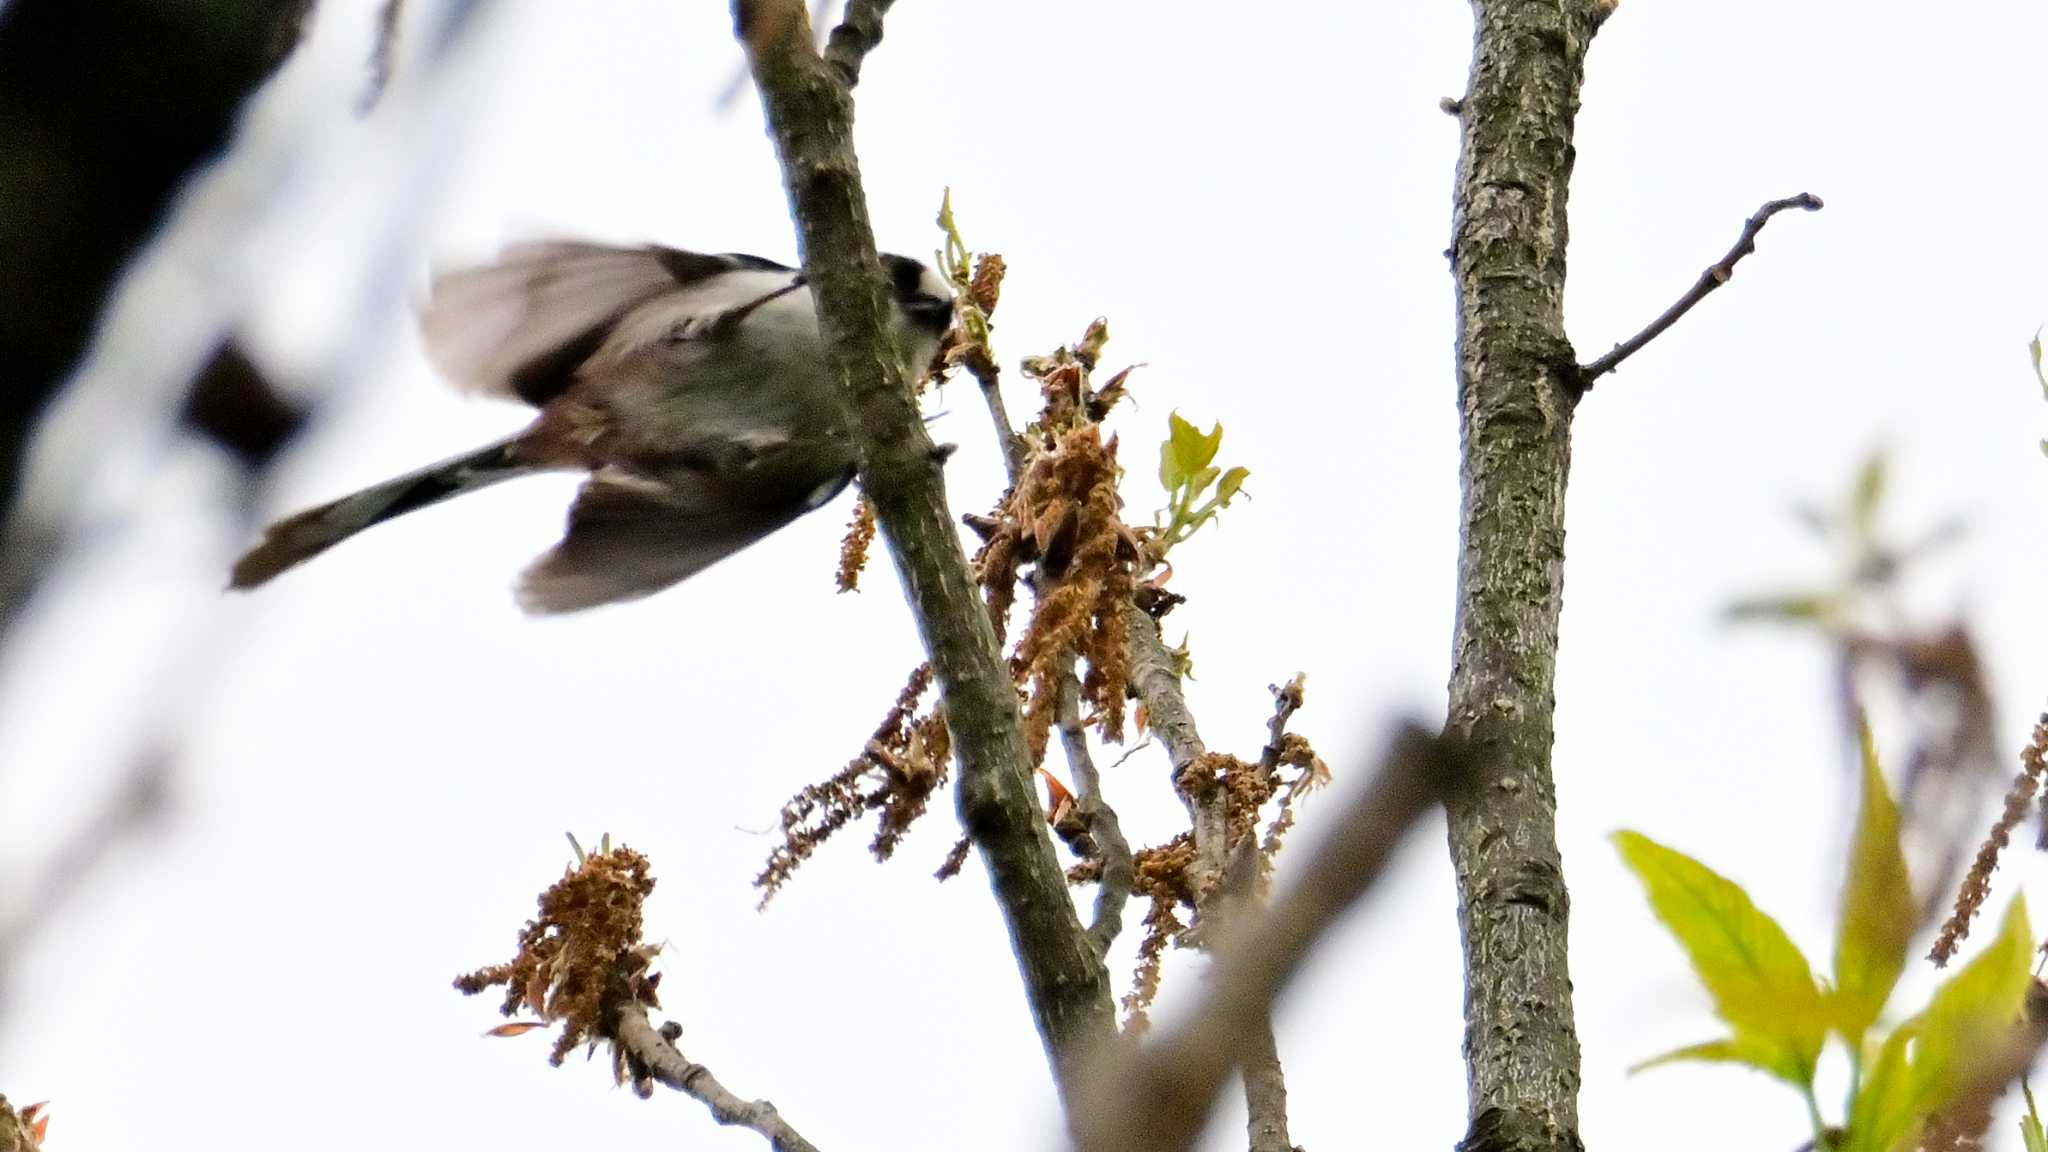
810, 116
1515, 372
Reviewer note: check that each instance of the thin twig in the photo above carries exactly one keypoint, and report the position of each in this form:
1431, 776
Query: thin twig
133, 805
1158, 684
383, 56
1118, 869
1715, 276
1119, 872
1156, 1098
989, 376
857, 35
652, 1055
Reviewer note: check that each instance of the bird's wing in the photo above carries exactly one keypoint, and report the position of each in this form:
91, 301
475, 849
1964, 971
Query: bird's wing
631, 537
522, 326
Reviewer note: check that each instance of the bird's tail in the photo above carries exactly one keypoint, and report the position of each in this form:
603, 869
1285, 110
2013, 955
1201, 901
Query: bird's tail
297, 539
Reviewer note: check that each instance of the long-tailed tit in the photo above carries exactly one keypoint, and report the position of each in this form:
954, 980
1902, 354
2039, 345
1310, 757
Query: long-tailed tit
695, 390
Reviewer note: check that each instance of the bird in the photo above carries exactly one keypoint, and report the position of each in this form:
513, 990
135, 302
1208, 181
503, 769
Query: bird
695, 390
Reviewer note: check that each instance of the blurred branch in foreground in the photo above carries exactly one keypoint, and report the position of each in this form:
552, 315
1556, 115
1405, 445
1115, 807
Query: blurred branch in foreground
106, 108
1156, 1098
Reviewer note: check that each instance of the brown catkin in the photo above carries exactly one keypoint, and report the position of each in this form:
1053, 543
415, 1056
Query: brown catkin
1977, 883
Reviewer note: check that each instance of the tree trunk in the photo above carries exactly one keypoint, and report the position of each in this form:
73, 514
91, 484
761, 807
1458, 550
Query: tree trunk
1516, 394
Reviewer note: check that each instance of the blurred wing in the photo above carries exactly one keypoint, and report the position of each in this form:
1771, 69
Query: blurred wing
630, 537
521, 327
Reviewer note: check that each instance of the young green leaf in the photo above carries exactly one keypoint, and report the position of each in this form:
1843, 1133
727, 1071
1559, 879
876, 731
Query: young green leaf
1867, 495
2034, 351
1229, 485
1883, 1109
1927, 1060
1170, 471
2031, 1133
1760, 983
1971, 1012
1878, 912
1799, 607
1192, 449
1761, 1054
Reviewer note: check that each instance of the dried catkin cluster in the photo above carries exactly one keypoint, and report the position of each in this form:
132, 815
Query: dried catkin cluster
906, 759
1976, 884
1062, 517
1057, 531
582, 953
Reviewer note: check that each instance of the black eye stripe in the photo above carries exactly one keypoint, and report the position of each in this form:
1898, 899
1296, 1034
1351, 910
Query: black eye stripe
906, 276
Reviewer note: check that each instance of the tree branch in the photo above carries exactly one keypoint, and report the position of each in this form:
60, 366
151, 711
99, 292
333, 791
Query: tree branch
1715, 276
1119, 870
810, 117
859, 32
105, 111
1119, 873
1157, 683
652, 1055
1156, 1098
1517, 385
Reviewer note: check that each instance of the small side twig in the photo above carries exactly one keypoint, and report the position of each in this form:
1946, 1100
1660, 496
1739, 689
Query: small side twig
1715, 276
1156, 1098
859, 32
1158, 684
130, 807
383, 54
1119, 871
652, 1056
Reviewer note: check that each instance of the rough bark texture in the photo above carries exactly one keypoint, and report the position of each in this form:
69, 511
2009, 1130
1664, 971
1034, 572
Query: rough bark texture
106, 107
1515, 372
810, 116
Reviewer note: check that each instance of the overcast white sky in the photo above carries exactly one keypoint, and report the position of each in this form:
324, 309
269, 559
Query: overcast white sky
381, 755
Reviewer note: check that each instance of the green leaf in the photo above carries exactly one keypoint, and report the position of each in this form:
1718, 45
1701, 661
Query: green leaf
1927, 1060
1796, 607
2031, 1132
1739, 1049
1191, 448
1971, 1012
1867, 495
1884, 1109
1228, 487
1760, 983
2034, 351
1171, 471
1878, 912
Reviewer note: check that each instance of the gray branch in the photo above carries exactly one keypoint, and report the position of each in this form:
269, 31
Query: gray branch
1119, 871
1156, 1098
1158, 684
1517, 385
858, 34
810, 118
1717, 274
652, 1053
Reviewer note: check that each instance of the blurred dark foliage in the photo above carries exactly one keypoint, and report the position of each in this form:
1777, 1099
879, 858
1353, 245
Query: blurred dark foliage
106, 108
